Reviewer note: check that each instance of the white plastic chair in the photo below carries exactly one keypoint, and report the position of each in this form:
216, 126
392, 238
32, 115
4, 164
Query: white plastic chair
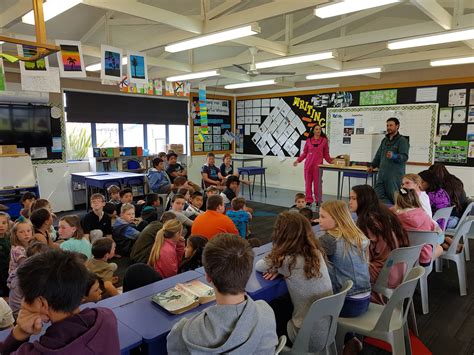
452, 231
458, 258
422, 238
385, 322
327, 307
444, 214
281, 344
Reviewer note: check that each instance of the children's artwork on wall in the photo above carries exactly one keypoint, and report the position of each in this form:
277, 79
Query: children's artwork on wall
137, 68
38, 68
177, 88
111, 63
70, 60
3, 81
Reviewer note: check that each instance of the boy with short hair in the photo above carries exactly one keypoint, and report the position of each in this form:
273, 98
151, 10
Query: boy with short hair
300, 202
236, 324
53, 285
158, 179
152, 210
210, 191
211, 174
102, 251
114, 193
124, 230
194, 209
97, 219
232, 188
239, 216
177, 207
174, 168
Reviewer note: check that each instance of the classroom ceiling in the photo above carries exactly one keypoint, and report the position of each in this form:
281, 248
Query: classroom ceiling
288, 27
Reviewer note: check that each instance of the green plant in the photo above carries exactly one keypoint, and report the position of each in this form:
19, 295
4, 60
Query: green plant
78, 144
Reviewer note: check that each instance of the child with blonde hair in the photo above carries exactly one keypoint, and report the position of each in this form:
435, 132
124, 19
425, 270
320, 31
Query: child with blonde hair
297, 256
413, 182
168, 249
4, 252
70, 229
21, 236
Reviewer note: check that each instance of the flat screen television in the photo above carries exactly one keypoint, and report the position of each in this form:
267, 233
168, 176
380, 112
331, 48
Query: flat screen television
25, 125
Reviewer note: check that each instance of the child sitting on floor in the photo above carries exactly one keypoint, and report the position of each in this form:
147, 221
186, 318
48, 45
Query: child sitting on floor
70, 229
193, 253
21, 236
300, 202
231, 190
102, 251
177, 207
236, 324
4, 252
53, 286
194, 209
239, 216
124, 230
210, 191
114, 193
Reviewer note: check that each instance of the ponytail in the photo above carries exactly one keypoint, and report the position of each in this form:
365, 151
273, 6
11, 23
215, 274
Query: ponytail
169, 230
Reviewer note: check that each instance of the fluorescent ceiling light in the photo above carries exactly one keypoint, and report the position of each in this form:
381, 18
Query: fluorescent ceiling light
217, 37
51, 8
452, 61
203, 74
348, 6
250, 84
295, 60
98, 66
338, 74
443, 37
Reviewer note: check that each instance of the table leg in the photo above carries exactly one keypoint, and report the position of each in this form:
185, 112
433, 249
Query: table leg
265, 183
261, 163
253, 184
339, 192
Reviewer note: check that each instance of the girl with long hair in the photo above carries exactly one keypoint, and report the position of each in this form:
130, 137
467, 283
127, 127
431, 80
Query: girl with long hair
193, 253
316, 149
379, 224
168, 249
413, 182
438, 196
297, 256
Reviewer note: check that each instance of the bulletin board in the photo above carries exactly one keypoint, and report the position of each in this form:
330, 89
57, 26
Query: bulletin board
220, 137
417, 123
453, 147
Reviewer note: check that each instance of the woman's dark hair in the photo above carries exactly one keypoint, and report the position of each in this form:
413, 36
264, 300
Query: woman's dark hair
91, 279
38, 217
375, 217
311, 133
452, 184
139, 275
431, 179
198, 243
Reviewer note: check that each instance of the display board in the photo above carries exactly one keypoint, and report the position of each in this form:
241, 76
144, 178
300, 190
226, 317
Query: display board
454, 129
220, 120
417, 123
16, 171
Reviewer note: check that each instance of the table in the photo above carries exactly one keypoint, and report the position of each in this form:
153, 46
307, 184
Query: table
244, 159
263, 249
340, 170
254, 171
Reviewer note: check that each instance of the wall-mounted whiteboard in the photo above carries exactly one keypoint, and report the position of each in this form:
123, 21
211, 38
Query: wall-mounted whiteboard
16, 172
417, 121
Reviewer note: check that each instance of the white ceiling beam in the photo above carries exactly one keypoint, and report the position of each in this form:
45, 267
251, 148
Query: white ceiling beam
258, 13
149, 12
264, 45
364, 51
92, 31
296, 25
436, 12
331, 63
220, 9
130, 22
338, 24
15, 11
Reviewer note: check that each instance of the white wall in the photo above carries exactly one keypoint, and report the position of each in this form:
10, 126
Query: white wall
285, 176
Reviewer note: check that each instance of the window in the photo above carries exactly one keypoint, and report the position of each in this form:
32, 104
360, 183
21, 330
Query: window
78, 140
178, 135
107, 134
133, 135
156, 136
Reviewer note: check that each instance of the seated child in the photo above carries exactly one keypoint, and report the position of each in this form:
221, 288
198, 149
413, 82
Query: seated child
210, 191
70, 230
124, 230
43, 203
97, 219
4, 252
194, 209
158, 179
174, 168
168, 249
231, 190
211, 174
94, 291
109, 210
300, 202
15, 296
114, 193
239, 216
27, 200
186, 192
126, 196
193, 253
153, 200
177, 207
6, 315
20, 237
179, 182
308, 214
53, 285
102, 251
236, 324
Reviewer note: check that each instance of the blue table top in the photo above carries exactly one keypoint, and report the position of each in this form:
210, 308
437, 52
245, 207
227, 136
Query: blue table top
89, 173
262, 249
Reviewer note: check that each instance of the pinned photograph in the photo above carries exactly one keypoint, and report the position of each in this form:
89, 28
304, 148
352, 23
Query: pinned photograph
137, 68
111, 63
70, 60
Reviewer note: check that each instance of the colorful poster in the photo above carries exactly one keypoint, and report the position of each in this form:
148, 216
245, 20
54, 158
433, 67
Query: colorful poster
177, 88
158, 87
203, 108
111, 63
137, 68
3, 80
378, 97
451, 152
38, 68
70, 60
470, 154
470, 114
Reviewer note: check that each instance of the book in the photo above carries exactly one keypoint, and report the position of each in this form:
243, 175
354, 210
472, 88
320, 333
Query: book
184, 296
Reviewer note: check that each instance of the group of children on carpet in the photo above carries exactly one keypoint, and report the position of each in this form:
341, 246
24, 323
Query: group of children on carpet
314, 266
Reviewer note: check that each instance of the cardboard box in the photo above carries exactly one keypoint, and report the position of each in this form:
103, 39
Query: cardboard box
177, 148
8, 149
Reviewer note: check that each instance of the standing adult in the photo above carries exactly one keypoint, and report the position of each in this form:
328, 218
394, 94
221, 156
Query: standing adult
390, 159
315, 150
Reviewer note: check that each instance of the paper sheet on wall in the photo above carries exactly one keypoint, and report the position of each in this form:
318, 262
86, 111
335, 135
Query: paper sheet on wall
240, 112
470, 153
293, 151
271, 142
240, 104
257, 103
470, 132
294, 137
256, 111
444, 129
470, 114
275, 149
39, 152
248, 119
256, 120
247, 129
301, 127
240, 120
253, 128
248, 111
248, 103
426, 94
457, 97
47, 82
265, 102
459, 115
445, 114
265, 111
471, 97
256, 137
274, 102
281, 155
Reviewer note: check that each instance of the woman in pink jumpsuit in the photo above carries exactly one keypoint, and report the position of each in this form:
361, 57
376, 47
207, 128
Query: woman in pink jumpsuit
315, 149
